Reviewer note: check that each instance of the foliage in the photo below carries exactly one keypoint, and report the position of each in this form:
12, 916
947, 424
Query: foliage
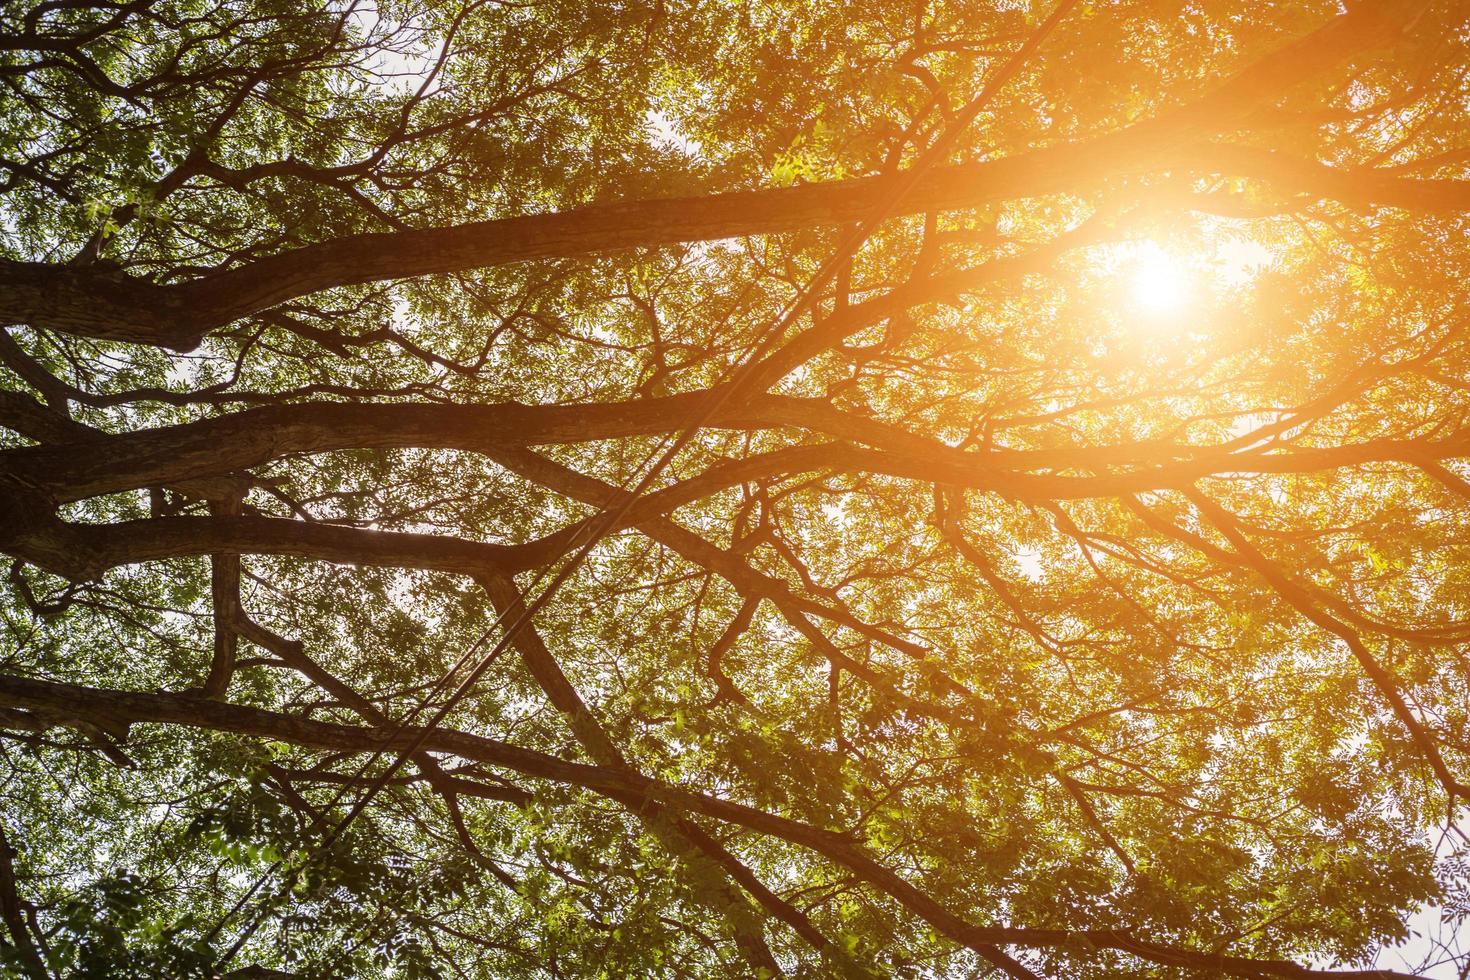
1064, 573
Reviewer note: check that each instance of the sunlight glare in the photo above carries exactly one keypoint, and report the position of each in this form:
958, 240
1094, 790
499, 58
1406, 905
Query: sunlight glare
1159, 280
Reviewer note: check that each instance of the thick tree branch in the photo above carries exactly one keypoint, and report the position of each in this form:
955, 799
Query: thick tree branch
209, 449
224, 579
137, 707
81, 301
82, 552
12, 914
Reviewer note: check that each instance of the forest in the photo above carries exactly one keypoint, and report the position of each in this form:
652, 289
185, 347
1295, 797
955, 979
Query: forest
881, 490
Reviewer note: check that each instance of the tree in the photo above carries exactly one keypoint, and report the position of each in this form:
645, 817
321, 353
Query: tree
921, 490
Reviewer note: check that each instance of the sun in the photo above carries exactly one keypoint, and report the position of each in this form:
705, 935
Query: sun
1158, 281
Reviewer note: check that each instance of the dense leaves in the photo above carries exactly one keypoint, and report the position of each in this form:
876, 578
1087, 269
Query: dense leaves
1049, 433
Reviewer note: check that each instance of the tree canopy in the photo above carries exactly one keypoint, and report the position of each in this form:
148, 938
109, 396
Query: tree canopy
538, 488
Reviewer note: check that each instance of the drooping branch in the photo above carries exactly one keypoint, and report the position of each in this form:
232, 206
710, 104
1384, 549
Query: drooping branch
137, 708
1301, 600
678, 833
